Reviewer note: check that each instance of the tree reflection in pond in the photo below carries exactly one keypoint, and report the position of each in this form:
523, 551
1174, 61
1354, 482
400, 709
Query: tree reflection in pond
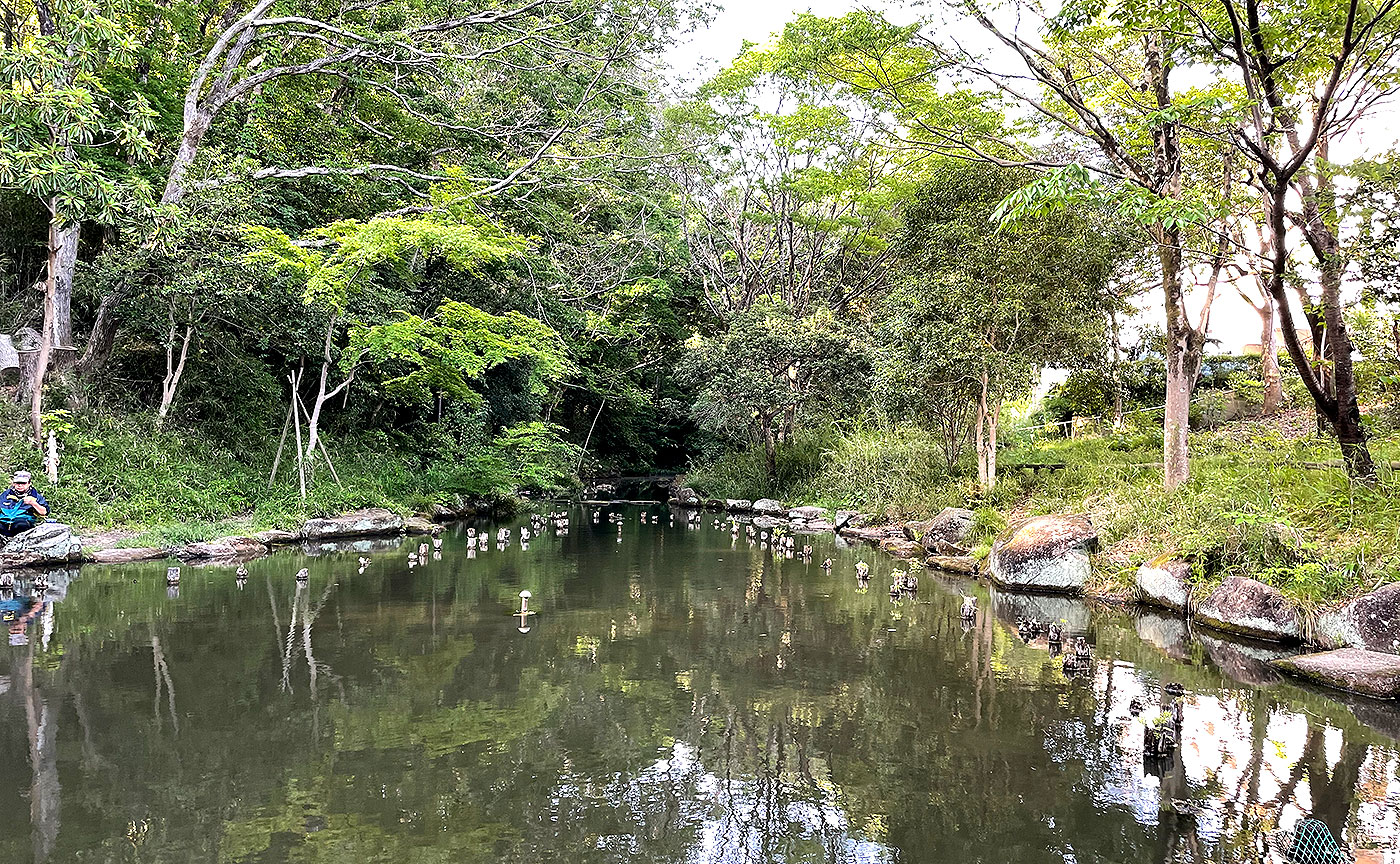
681, 696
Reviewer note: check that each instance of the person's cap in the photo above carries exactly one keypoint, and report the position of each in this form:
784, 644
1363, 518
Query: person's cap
20, 477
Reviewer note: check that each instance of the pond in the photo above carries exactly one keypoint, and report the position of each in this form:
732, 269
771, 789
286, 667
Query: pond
680, 695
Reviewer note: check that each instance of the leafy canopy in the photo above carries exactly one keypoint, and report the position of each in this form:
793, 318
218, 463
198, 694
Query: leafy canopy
456, 346
338, 260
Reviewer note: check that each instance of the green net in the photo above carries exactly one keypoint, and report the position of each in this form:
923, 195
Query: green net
1309, 842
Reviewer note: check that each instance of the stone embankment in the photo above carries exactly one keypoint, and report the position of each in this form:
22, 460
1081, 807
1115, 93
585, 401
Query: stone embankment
1051, 554
54, 544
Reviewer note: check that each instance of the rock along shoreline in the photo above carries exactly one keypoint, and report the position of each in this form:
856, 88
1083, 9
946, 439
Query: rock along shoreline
1051, 555
54, 544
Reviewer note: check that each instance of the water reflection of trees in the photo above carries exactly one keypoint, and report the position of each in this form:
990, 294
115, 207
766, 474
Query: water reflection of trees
654, 713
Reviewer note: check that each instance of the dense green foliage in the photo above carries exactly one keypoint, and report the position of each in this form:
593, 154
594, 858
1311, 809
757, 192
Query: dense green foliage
477, 255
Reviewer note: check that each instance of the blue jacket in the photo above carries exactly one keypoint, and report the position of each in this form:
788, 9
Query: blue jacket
12, 505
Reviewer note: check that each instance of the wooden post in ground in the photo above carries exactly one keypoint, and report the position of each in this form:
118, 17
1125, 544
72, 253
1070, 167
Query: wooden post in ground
296, 418
277, 460
322, 443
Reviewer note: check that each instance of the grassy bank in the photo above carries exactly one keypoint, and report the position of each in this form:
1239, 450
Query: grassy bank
1252, 505
171, 486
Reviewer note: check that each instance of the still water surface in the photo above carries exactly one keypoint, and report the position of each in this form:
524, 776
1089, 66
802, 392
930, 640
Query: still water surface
681, 696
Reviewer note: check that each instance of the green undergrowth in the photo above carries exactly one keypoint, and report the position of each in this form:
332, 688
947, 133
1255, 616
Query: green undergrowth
1251, 506
175, 486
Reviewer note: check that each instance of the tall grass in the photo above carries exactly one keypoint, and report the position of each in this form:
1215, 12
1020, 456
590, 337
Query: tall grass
1251, 507
120, 471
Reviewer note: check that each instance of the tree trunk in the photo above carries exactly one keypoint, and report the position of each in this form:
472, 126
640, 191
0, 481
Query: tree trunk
1184, 348
1268, 357
1338, 403
67, 239
173, 369
770, 452
988, 415
41, 367
323, 395
1116, 331
1182, 369
1346, 414
104, 333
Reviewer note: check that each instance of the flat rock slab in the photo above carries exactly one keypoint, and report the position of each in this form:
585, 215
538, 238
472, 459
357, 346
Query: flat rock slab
420, 525
126, 556
223, 547
953, 563
901, 548
1370, 673
872, 535
359, 523
273, 537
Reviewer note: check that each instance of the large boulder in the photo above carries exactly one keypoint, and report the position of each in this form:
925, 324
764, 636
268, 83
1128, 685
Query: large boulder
808, 513
769, 507
849, 519
1044, 553
1251, 608
223, 547
1165, 581
369, 522
687, 497
951, 527
738, 505
46, 543
1371, 621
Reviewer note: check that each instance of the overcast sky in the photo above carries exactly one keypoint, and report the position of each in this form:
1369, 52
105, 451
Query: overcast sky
1233, 323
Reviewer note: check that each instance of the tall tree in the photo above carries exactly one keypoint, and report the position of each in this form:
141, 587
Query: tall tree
337, 263
68, 142
999, 305
773, 372
787, 193
1107, 94
498, 99
1309, 71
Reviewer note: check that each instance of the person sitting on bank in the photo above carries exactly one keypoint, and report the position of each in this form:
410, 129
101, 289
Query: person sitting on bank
22, 506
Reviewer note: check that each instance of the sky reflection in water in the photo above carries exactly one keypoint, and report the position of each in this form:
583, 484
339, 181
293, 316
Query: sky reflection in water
682, 695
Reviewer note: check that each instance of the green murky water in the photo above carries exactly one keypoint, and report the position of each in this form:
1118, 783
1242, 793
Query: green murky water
681, 695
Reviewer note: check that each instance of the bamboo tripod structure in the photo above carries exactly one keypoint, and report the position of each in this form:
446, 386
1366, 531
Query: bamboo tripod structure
295, 410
